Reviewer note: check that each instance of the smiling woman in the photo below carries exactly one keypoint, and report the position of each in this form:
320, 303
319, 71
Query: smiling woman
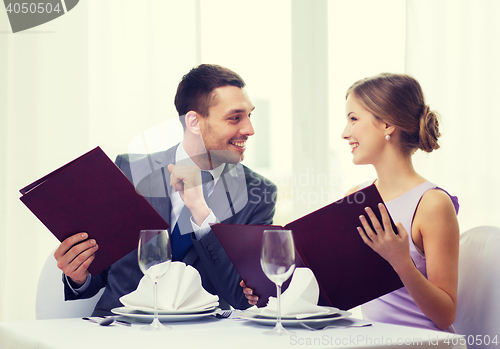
362, 127
367, 105
387, 120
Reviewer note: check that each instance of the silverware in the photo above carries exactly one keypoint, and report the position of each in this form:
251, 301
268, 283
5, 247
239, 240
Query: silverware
118, 321
106, 321
319, 327
98, 322
224, 315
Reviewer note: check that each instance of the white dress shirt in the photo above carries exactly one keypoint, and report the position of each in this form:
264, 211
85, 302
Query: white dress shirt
178, 204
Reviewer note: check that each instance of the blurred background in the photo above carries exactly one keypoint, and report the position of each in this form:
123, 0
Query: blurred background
105, 74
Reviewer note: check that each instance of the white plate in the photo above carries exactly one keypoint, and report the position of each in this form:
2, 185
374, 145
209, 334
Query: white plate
329, 312
140, 310
295, 322
146, 317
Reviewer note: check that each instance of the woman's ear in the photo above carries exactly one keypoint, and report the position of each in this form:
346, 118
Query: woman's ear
192, 123
389, 129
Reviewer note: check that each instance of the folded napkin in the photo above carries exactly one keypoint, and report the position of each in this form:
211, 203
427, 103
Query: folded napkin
179, 289
299, 300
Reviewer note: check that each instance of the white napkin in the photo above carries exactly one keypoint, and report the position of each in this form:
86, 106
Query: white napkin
179, 289
299, 300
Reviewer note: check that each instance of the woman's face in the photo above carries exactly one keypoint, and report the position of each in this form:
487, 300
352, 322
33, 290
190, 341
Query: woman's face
364, 132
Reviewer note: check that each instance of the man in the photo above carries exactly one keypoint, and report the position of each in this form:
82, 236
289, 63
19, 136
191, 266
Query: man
215, 111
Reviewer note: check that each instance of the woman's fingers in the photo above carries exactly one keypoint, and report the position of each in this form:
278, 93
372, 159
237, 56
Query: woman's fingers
378, 229
375, 222
386, 220
365, 238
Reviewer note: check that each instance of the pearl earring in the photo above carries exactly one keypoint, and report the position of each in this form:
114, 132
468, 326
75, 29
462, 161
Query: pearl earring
387, 137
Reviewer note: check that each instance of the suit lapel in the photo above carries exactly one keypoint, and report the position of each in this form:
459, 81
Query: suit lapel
230, 194
155, 182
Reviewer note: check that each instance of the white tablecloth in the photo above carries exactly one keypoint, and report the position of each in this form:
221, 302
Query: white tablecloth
211, 333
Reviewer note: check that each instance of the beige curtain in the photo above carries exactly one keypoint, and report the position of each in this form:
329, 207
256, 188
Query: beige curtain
453, 49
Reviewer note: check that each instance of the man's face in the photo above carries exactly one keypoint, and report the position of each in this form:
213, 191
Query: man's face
227, 127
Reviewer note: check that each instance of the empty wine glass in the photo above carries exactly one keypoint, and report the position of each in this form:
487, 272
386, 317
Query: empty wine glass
154, 256
278, 263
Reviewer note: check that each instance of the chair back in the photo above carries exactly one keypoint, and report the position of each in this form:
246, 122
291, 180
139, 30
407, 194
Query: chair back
50, 303
478, 311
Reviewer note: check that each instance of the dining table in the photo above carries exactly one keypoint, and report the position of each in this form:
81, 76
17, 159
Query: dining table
214, 332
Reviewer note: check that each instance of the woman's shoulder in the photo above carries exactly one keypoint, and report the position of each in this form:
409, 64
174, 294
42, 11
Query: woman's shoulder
436, 203
436, 218
352, 190
437, 197
359, 187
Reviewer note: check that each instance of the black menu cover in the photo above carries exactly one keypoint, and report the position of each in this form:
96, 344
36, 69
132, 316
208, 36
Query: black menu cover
90, 194
349, 272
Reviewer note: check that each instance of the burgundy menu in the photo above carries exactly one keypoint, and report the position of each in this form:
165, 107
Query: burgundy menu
90, 194
349, 272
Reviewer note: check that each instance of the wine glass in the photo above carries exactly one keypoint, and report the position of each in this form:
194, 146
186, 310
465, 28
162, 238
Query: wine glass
154, 256
278, 263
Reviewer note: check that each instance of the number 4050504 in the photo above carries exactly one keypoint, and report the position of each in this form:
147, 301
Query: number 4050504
40, 7
472, 340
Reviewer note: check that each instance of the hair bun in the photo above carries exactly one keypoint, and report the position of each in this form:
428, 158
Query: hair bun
429, 130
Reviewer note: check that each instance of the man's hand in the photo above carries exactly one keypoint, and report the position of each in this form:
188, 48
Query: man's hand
248, 292
74, 256
187, 181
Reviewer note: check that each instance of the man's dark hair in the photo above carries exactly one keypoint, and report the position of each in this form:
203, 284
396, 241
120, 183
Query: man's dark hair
196, 89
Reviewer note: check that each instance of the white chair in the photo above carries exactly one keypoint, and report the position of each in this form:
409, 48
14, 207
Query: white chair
478, 312
50, 303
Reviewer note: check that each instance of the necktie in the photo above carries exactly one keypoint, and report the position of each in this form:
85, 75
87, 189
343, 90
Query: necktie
182, 242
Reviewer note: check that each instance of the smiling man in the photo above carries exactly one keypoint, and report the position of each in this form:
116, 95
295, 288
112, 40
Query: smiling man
192, 185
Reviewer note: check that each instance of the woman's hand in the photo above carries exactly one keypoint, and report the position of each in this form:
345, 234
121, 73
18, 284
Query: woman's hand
393, 247
252, 299
435, 220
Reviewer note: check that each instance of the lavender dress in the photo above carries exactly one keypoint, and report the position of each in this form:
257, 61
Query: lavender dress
398, 306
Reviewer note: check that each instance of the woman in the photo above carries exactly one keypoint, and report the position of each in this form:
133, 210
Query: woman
387, 121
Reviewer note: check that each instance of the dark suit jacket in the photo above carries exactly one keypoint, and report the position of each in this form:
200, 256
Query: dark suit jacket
241, 196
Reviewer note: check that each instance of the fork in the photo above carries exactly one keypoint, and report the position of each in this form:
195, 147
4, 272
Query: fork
224, 315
